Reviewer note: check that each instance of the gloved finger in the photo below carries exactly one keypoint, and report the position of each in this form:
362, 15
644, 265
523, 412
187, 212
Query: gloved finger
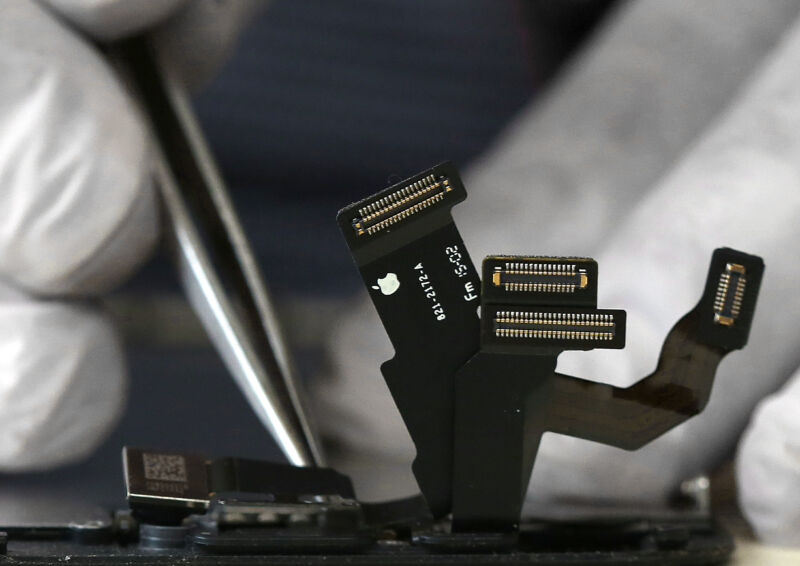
199, 38
567, 172
736, 187
194, 36
109, 20
78, 205
570, 167
768, 467
62, 381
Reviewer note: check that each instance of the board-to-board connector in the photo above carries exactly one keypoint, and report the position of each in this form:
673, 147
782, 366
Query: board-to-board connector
725, 313
730, 293
552, 327
403, 203
412, 207
540, 280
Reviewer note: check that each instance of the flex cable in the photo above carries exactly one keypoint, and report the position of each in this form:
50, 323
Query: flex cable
508, 395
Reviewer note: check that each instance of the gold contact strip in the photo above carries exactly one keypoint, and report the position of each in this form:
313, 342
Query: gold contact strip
401, 197
538, 272
398, 203
738, 295
540, 268
723, 287
540, 287
557, 322
554, 317
404, 214
722, 291
416, 186
552, 334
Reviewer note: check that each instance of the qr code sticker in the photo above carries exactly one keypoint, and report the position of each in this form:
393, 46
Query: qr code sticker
164, 467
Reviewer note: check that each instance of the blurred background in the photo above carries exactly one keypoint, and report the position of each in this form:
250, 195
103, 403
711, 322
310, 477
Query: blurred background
322, 104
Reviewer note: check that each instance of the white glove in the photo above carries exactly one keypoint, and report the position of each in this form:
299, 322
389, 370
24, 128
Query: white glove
678, 132
768, 467
78, 208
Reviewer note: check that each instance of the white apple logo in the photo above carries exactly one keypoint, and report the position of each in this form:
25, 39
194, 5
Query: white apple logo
387, 284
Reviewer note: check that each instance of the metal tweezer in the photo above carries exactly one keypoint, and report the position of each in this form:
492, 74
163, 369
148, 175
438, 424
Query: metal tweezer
215, 262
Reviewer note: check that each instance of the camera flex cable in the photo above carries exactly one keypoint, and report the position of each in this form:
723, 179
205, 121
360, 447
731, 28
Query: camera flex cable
425, 288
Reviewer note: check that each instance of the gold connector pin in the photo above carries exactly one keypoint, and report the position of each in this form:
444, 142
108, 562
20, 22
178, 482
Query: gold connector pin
730, 293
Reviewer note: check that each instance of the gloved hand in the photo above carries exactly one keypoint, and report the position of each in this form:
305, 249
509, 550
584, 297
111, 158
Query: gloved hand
78, 208
677, 132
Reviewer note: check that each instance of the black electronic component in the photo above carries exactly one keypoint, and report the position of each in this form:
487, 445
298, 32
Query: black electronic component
506, 398
394, 205
417, 204
565, 281
245, 524
539, 329
730, 293
477, 436
173, 479
729, 298
545, 305
675, 541
425, 289
165, 486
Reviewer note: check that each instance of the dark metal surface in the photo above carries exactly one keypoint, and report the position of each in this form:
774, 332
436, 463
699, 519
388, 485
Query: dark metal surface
628, 542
